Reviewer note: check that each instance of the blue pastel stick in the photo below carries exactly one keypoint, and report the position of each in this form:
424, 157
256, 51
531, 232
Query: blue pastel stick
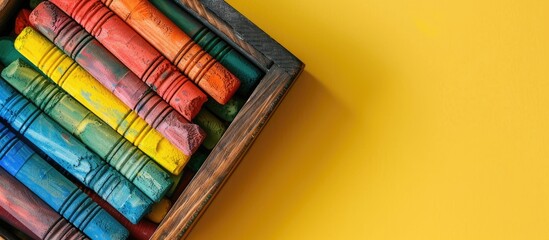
72, 155
20, 161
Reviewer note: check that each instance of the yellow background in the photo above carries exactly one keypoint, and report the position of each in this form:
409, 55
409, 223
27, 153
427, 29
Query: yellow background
422, 119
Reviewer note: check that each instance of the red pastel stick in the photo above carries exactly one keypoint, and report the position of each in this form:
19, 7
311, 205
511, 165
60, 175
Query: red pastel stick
11, 220
142, 59
111, 73
21, 20
164, 35
143, 230
32, 212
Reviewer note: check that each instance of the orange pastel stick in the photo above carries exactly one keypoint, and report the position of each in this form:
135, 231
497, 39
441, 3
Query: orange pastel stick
178, 47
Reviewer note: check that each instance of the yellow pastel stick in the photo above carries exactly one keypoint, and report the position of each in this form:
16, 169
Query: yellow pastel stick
99, 100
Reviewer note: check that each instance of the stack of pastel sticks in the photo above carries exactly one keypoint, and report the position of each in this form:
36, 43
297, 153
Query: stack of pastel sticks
107, 108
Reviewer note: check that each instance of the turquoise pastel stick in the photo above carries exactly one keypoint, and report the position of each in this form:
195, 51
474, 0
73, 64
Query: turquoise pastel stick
72, 155
247, 72
131, 162
20, 161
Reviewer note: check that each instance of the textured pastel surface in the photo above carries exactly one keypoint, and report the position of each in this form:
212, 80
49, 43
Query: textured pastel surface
159, 210
8, 54
6, 217
198, 159
20, 161
228, 111
84, 88
71, 154
178, 47
142, 230
21, 20
32, 212
138, 55
113, 75
212, 125
99, 137
248, 74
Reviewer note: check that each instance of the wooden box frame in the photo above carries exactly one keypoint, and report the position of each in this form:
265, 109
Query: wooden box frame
282, 69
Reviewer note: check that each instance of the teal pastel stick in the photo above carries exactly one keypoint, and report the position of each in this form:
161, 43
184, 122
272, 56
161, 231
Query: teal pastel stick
98, 136
247, 72
20, 161
8, 54
71, 154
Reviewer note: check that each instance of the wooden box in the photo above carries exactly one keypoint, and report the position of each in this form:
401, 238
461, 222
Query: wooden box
281, 67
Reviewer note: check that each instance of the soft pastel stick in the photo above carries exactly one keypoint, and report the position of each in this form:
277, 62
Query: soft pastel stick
70, 37
34, 213
14, 222
178, 47
20, 161
34, 3
84, 88
159, 211
113, 75
212, 125
228, 111
71, 154
143, 230
131, 162
173, 43
198, 159
8, 54
107, 69
21, 20
247, 72
139, 56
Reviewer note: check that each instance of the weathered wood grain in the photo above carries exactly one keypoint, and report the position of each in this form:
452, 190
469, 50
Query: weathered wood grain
282, 69
226, 155
220, 25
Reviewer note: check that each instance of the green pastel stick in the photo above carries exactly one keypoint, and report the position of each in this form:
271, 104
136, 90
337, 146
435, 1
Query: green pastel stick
8, 54
198, 158
247, 72
196, 161
228, 111
213, 127
34, 3
99, 137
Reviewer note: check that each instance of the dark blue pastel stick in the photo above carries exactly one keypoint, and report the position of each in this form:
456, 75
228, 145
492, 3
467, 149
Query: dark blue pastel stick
72, 155
20, 161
